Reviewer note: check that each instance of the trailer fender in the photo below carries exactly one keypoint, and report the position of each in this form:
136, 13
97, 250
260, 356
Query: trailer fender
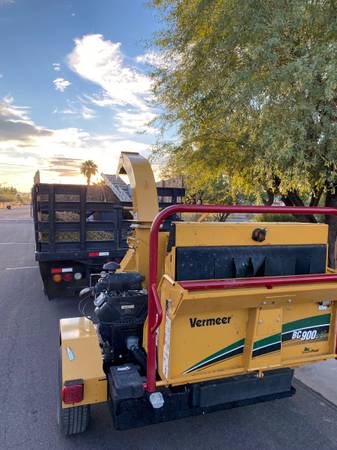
81, 360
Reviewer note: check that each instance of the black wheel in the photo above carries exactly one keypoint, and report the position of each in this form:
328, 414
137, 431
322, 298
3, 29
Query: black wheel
74, 420
71, 420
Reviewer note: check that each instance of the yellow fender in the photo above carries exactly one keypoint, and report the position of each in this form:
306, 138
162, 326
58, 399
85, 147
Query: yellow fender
81, 359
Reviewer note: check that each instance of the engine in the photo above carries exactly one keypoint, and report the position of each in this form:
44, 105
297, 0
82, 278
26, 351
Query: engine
120, 312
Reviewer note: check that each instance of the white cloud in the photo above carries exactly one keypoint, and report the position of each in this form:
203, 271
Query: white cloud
66, 111
61, 84
88, 113
151, 58
8, 109
102, 62
135, 122
57, 67
77, 109
15, 124
26, 147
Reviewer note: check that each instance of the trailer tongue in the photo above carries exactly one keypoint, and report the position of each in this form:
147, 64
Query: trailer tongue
200, 316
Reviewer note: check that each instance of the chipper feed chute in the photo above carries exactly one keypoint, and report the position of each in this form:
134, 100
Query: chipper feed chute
200, 317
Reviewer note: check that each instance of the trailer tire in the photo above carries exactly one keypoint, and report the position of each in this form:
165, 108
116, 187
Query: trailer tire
73, 420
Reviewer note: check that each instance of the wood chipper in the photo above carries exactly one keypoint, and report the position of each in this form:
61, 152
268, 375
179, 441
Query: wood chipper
200, 316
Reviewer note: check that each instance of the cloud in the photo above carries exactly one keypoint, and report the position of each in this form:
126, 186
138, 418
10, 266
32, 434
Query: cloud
61, 84
102, 62
57, 67
15, 124
151, 58
55, 152
77, 109
135, 122
88, 113
64, 166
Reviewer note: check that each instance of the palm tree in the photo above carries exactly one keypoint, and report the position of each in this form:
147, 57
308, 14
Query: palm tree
88, 169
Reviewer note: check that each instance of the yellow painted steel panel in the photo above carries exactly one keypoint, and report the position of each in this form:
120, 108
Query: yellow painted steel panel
143, 186
236, 233
81, 359
218, 333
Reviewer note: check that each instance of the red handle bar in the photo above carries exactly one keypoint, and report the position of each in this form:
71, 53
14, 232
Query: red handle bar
154, 308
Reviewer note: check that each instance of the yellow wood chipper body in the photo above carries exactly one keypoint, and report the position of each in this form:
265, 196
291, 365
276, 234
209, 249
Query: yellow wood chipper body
200, 316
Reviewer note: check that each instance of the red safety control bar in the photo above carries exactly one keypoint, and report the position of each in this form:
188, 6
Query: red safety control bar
155, 313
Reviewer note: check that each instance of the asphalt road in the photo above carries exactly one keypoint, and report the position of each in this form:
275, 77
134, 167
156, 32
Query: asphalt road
28, 381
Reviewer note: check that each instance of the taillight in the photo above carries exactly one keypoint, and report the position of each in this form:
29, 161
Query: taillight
67, 276
98, 254
73, 391
57, 278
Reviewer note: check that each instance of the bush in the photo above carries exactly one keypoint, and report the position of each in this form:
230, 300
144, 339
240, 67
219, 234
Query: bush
275, 218
7, 194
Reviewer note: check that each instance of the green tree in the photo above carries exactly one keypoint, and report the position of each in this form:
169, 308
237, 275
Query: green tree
88, 169
8, 194
251, 86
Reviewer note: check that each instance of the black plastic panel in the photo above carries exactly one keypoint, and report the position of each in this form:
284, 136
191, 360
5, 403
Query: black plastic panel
202, 398
204, 263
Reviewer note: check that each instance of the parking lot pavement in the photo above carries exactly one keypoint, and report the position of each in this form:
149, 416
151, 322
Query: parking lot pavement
29, 388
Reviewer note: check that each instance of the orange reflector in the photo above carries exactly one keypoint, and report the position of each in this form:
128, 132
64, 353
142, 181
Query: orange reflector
57, 277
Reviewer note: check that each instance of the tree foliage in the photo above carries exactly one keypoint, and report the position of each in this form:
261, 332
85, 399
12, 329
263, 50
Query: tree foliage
251, 87
8, 194
88, 169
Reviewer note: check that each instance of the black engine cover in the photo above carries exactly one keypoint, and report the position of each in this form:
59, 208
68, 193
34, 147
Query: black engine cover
124, 310
119, 318
120, 282
121, 310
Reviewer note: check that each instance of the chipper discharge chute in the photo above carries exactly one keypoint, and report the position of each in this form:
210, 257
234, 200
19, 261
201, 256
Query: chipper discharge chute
200, 316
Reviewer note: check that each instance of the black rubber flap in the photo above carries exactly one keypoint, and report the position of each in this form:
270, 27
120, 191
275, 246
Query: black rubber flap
204, 263
238, 388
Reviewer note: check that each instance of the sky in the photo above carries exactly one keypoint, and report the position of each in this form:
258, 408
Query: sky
74, 85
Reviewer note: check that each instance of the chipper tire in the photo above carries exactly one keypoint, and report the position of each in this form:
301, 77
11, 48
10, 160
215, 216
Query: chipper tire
73, 420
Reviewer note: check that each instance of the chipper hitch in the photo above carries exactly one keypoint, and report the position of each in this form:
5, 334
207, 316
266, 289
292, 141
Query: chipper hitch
201, 316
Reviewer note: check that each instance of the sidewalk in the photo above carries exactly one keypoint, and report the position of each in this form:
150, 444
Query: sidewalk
321, 377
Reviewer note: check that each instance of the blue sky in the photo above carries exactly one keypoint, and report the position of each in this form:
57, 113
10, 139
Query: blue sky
74, 85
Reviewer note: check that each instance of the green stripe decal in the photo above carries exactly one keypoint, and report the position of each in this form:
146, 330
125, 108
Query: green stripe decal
270, 340
218, 356
308, 322
273, 343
